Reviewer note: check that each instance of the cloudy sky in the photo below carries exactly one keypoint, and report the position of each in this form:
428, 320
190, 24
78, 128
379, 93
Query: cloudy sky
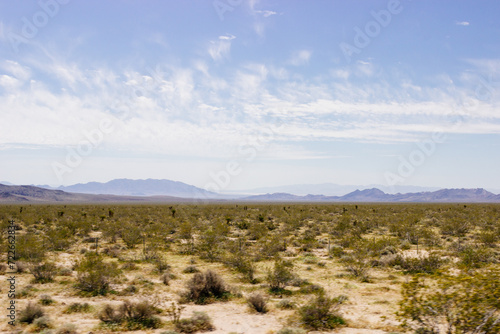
244, 93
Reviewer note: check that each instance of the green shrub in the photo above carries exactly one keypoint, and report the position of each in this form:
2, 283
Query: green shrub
205, 287
46, 300
476, 257
200, 321
322, 313
29, 247
43, 272
455, 304
358, 263
94, 275
312, 288
131, 316
424, 264
78, 308
280, 276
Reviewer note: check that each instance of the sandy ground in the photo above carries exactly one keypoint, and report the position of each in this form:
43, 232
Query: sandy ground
369, 309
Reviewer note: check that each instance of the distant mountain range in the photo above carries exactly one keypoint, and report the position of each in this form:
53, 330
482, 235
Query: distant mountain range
31, 194
124, 190
376, 195
331, 189
149, 187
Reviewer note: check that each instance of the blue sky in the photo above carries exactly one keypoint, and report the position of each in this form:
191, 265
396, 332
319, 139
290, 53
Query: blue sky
236, 94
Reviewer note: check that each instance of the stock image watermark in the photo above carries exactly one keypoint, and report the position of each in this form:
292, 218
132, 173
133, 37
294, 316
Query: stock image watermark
11, 279
364, 36
33, 24
223, 6
407, 166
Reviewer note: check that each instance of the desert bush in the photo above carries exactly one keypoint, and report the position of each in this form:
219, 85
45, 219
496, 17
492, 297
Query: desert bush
322, 313
209, 246
131, 234
59, 238
336, 251
423, 264
129, 266
174, 311
167, 277
21, 267
199, 322
42, 323
454, 304
65, 272
281, 274
312, 288
29, 247
30, 313
131, 316
291, 330
488, 238
78, 308
258, 303
191, 269
46, 300
476, 257
94, 275
43, 272
286, 304
161, 264
205, 287
358, 263
67, 329
243, 265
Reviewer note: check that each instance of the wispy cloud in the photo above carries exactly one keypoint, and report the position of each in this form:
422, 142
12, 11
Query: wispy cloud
190, 111
300, 57
462, 23
266, 13
220, 48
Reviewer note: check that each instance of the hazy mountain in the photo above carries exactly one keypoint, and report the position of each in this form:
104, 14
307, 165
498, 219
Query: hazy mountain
332, 189
6, 183
376, 195
149, 187
21, 194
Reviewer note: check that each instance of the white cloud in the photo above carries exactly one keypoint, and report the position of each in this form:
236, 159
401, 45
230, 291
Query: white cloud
462, 23
191, 112
220, 48
266, 13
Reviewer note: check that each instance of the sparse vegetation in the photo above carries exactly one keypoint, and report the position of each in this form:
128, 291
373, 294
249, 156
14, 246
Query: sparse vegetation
206, 287
258, 303
440, 260
322, 313
199, 322
95, 275
30, 313
131, 316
